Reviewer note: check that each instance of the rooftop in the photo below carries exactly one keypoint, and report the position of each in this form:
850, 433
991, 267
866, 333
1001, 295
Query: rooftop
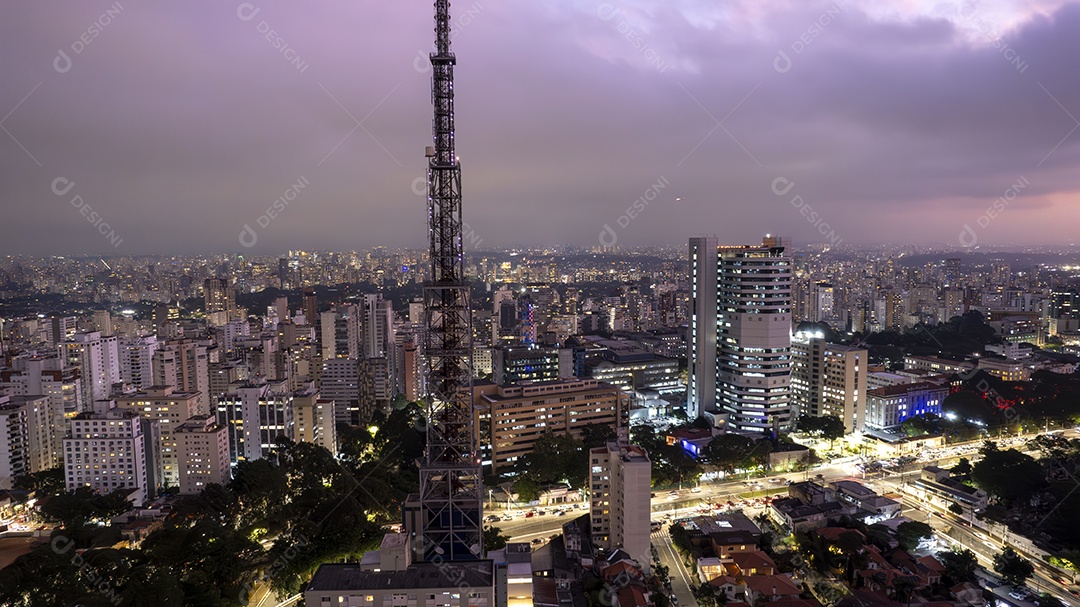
344, 577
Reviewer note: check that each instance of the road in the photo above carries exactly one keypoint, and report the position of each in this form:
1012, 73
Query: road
688, 502
681, 581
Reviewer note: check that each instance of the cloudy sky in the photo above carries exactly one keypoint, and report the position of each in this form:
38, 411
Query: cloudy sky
167, 127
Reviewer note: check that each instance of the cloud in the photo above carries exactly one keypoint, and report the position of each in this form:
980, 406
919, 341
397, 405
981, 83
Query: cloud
182, 123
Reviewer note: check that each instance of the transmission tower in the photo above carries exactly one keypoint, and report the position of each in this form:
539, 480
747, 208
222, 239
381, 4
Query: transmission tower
451, 485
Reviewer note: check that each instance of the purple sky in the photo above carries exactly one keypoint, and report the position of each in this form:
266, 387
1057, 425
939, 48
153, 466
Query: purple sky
167, 128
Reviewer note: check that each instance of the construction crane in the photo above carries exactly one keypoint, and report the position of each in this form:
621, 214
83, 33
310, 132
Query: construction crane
451, 484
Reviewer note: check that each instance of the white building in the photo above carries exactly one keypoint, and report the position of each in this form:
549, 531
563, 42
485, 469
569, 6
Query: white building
110, 451
619, 481
828, 379
99, 359
49, 377
137, 360
255, 416
740, 333
25, 440
203, 453
888, 407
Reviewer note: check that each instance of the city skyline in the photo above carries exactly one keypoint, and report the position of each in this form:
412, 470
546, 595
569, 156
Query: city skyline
950, 123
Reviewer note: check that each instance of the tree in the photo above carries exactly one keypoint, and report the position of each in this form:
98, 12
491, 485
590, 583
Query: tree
1008, 475
46, 482
597, 435
911, 533
828, 427
959, 564
956, 509
556, 458
1014, 569
962, 468
494, 539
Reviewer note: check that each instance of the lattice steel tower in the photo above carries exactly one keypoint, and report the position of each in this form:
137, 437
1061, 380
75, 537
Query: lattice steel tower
451, 485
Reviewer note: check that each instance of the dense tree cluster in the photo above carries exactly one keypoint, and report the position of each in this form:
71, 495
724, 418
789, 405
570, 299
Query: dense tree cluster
278, 519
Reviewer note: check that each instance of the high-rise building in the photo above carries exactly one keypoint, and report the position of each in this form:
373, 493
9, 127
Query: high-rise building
843, 384
99, 359
256, 416
170, 408
184, 365
740, 333
25, 439
219, 300
313, 420
620, 478
49, 377
103, 322
310, 305
60, 329
136, 360
112, 450
202, 447
512, 418
340, 382
377, 327
511, 364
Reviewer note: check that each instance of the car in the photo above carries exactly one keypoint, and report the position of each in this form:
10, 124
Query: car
538, 541
491, 518
560, 513
696, 490
674, 600
1016, 595
530, 514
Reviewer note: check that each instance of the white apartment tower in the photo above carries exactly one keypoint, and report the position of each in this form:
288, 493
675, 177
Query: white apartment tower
619, 481
740, 333
111, 451
99, 359
25, 440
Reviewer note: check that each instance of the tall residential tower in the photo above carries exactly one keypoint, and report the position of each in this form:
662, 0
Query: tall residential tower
740, 333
